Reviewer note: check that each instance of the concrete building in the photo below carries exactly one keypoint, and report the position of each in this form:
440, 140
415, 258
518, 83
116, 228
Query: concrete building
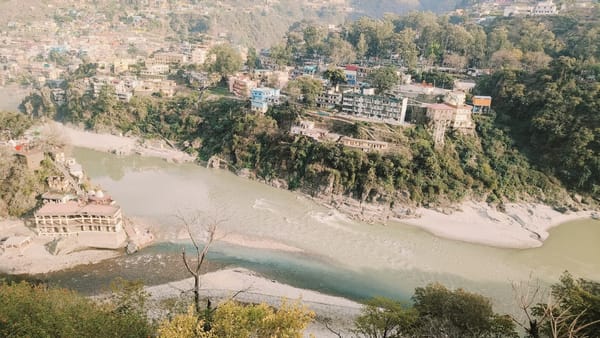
122, 65
307, 128
262, 98
544, 8
148, 87
60, 219
364, 145
453, 113
351, 72
166, 58
374, 107
355, 73
272, 78
157, 69
198, 55
241, 86
59, 96
329, 99
482, 104
15, 242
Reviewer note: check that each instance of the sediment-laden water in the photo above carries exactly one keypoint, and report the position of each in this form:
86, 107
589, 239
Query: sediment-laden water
340, 256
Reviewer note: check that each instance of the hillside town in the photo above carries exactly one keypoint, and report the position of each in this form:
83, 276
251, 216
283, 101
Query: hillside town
130, 60
312, 168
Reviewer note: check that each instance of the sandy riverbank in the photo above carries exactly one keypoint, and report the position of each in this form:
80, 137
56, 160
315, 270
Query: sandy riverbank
35, 258
256, 289
523, 225
119, 144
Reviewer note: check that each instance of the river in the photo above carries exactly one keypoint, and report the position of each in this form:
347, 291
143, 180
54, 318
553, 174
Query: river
340, 256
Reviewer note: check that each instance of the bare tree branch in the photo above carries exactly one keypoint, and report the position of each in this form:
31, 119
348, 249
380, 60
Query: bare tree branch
326, 322
194, 268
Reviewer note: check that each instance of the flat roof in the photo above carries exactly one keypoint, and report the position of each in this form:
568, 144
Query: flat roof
446, 106
74, 208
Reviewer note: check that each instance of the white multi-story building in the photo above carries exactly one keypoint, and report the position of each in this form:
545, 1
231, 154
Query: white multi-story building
544, 8
374, 107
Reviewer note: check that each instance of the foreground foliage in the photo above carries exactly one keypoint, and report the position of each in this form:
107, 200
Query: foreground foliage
436, 312
235, 320
571, 309
37, 311
574, 311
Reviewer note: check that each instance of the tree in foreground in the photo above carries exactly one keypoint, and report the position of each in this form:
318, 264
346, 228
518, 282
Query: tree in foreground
194, 264
458, 313
383, 318
571, 309
235, 320
579, 301
437, 313
38, 311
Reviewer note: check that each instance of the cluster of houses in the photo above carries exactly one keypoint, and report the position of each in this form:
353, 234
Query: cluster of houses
66, 208
356, 100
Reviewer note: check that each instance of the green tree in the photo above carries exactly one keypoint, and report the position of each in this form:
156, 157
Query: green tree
459, 313
129, 297
313, 38
252, 59
38, 311
384, 79
407, 48
224, 60
335, 76
383, 318
281, 55
13, 125
574, 311
361, 46
305, 87
339, 51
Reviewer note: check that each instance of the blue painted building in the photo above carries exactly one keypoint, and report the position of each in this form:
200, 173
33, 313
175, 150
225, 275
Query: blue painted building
262, 98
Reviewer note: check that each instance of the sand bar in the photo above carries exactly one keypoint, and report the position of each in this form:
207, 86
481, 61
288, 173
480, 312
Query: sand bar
521, 226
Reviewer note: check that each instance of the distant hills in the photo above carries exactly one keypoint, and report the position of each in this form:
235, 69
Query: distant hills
377, 8
252, 23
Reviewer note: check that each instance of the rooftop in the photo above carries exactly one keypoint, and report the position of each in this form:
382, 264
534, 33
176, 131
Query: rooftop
446, 106
74, 208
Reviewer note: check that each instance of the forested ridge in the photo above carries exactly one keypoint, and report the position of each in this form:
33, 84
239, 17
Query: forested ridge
554, 117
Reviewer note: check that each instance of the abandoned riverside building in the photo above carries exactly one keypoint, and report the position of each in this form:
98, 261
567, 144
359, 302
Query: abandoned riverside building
75, 217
